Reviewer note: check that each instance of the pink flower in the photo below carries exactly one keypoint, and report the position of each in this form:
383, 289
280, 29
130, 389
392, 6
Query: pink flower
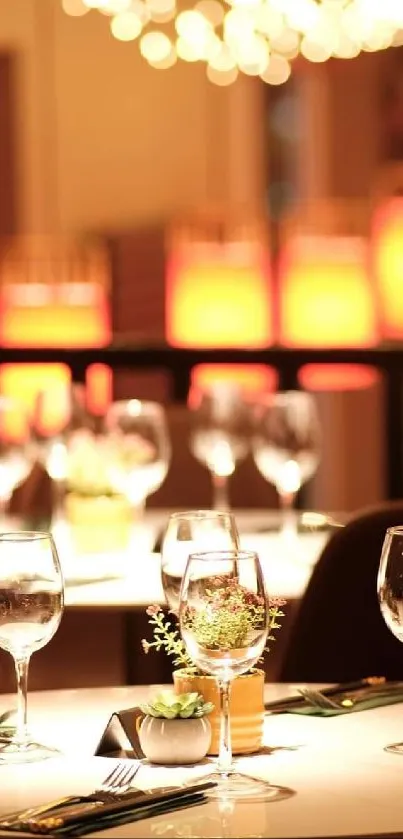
153, 610
276, 601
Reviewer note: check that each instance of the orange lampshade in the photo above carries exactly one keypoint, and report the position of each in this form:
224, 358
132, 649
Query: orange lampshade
218, 294
326, 300
326, 295
387, 261
53, 294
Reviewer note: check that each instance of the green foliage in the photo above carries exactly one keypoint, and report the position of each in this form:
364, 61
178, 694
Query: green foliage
168, 639
231, 615
229, 625
171, 706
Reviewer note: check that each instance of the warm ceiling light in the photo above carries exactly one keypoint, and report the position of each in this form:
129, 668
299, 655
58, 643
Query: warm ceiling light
263, 36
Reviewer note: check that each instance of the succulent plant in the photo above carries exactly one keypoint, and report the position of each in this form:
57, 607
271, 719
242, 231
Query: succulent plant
171, 706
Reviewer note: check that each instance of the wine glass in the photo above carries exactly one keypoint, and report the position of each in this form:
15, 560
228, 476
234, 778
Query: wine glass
224, 620
219, 434
140, 448
15, 452
285, 445
31, 606
53, 430
390, 591
187, 532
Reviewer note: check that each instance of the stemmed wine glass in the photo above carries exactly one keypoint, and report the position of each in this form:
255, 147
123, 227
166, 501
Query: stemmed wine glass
140, 448
186, 533
15, 452
286, 446
219, 434
224, 620
52, 443
390, 591
31, 606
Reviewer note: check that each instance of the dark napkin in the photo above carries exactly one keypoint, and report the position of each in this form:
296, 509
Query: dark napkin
343, 699
129, 809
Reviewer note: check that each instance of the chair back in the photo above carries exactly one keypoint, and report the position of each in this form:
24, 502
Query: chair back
339, 633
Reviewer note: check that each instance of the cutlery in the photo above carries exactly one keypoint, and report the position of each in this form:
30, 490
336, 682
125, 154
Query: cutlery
334, 690
347, 699
115, 784
183, 796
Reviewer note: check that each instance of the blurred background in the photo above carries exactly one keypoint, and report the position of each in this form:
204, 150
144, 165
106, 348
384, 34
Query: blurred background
199, 196
257, 176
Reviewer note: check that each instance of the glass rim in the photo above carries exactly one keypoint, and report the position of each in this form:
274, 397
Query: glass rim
25, 535
397, 529
202, 514
220, 556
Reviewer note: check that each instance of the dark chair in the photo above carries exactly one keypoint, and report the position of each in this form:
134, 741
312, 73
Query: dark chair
339, 633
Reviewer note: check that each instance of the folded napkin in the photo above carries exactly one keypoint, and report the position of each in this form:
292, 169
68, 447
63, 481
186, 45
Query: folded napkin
341, 700
129, 808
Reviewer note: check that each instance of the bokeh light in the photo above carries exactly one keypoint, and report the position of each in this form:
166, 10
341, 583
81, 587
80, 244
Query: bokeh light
254, 37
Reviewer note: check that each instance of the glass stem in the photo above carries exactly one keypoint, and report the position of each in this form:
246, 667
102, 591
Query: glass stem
225, 751
21, 669
288, 521
220, 492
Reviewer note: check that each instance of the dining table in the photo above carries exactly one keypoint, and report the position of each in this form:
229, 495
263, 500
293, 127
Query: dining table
339, 779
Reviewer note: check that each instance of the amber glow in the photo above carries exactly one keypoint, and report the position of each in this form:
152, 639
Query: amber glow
250, 379
53, 325
387, 253
99, 388
326, 296
53, 294
220, 296
337, 376
213, 304
327, 301
25, 381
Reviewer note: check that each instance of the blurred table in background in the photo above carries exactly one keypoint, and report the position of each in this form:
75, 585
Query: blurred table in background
99, 639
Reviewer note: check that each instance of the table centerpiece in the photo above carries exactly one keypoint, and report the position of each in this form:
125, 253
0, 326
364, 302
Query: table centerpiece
99, 517
247, 693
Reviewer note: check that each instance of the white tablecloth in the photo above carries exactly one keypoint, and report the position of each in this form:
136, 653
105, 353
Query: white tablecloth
344, 782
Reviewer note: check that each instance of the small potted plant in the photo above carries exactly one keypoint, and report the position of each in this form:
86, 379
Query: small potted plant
99, 516
247, 699
175, 728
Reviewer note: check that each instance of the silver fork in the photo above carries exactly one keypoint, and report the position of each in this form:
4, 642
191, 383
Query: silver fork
345, 700
116, 783
319, 700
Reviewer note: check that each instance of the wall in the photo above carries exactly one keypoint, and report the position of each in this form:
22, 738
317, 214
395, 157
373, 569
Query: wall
104, 141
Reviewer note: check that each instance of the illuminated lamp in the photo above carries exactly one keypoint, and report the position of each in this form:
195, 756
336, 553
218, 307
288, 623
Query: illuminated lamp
219, 294
326, 301
53, 293
387, 262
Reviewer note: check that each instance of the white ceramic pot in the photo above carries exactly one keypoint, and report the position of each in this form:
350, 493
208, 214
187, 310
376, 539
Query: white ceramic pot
176, 741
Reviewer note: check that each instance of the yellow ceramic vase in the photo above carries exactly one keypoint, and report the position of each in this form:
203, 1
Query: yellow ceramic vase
98, 524
246, 708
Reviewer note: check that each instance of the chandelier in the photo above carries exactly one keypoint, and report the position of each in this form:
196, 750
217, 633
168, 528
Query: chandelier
255, 37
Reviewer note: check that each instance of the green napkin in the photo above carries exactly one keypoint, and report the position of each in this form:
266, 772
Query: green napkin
362, 700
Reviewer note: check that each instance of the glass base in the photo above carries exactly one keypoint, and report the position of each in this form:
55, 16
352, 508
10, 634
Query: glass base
396, 748
14, 753
238, 786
